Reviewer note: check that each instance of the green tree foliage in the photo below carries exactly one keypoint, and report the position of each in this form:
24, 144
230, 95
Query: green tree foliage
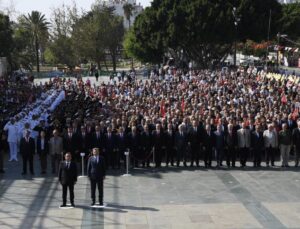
36, 24
5, 36
254, 19
291, 20
96, 33
199, 30
60, 47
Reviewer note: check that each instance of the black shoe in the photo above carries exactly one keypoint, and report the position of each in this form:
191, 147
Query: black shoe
93, 203
24, 173
101, 203
63, 205
2, 171
73, 205
32, 173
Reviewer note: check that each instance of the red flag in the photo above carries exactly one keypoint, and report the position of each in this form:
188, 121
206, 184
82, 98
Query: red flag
283, 98
163, 108
182, 105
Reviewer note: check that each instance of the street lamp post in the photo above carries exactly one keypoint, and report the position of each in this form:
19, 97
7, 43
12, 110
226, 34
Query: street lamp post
236, 21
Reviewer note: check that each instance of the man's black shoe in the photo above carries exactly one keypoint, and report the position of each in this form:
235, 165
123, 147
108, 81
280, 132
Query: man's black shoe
63, 205
73, 205
101, 203
93, 203
23, 173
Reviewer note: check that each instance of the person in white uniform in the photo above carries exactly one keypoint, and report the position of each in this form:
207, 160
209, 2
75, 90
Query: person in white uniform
12, 139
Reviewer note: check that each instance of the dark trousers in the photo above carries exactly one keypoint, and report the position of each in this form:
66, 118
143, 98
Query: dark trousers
27, 159
257, 153
219, 156
181, 156
1, 159
207, 157
244, 155
297, 156
55, 160
146, 156
270, 155
158, 156
231, 156
43, 158
170, 156
98, 183
65, 190
195, 153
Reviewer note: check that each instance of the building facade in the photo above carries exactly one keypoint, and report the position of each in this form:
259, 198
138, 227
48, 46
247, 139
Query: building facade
119, 4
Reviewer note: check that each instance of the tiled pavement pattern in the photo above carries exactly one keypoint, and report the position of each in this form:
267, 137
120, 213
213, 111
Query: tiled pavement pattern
165, 198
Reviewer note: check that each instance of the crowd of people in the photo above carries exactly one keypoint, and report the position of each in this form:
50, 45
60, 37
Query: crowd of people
177, 118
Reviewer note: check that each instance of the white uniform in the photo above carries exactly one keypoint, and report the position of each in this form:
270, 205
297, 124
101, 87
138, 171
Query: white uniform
12, 140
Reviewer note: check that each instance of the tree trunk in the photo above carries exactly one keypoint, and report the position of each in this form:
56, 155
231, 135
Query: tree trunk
37, 55
105, 64
114, 62
99, 65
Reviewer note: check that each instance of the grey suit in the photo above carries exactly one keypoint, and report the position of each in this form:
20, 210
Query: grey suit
244, 143
56, 151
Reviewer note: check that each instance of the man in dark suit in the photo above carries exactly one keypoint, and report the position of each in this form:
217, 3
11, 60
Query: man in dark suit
257, 145
97, 138
71, 143
231, 145
181, 145
134, 145
195, 140
110, 148
67, 175
96, 172
158, 143
219, 140
147, 144
296, 143
43, 150
27, 150
170, 145
208, 142
121, 141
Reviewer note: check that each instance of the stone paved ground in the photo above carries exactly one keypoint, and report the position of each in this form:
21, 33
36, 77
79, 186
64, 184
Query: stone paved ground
156, 199
165, 198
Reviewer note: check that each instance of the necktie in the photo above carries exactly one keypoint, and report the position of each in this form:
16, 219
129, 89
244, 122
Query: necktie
68, 165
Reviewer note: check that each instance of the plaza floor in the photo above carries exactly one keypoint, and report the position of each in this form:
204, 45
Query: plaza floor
164, 198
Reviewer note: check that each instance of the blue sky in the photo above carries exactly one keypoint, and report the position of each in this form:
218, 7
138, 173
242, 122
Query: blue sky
46, 6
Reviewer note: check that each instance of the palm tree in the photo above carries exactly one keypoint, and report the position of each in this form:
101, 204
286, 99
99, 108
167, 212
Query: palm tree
37, 25
128, 10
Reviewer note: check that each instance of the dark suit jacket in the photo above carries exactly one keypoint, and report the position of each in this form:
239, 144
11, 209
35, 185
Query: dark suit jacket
208, 140
195, 138
170, 140
257, 142
110, 143
97, 143
71, 144
67, 176
46, 146
231, 139
121, 142
296, 137
134, 142
158, 139
27, 148
96, 170
180, 141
